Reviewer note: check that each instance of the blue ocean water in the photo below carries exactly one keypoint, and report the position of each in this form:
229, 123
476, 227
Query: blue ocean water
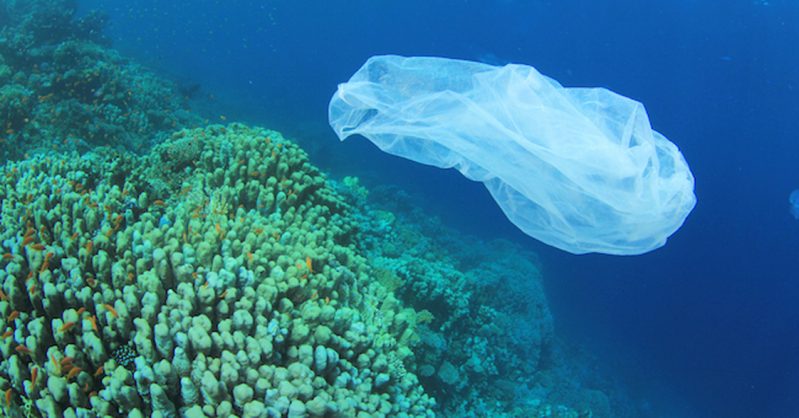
706, 326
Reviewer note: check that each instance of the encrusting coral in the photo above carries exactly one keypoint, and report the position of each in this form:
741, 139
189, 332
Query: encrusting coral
221, 262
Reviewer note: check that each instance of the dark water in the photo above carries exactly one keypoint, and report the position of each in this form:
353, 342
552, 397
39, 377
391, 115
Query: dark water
706, 326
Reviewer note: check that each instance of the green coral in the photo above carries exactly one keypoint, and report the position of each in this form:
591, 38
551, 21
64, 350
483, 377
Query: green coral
64, 89
241, 270
482, 332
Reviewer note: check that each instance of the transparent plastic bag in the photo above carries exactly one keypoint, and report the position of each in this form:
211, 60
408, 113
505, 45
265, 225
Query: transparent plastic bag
577, 168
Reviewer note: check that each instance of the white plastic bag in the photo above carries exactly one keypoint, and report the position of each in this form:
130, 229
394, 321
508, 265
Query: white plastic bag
577, 168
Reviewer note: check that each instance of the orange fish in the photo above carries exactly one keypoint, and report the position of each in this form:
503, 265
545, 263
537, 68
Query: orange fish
23, 350
38, 247
81, 310
14, 315
8, 397
111, 309
73, 372
67, 326
158, 202
8, 256
99, 371
7, 334
3, 295
309, 263
34, 374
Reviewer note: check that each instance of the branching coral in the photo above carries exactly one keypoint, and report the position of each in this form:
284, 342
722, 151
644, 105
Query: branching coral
262, 307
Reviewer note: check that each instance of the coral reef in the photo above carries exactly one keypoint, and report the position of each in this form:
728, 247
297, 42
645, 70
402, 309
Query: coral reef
63, 88
215, 276
484, 339
152, 269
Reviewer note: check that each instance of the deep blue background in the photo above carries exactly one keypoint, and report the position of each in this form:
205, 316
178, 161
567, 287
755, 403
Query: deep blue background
706, 326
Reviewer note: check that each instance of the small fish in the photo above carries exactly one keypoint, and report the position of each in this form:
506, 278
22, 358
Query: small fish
8, 256
158, 202
81, 310
111, 309
93, 320
7, 334
99, 371
37, 247
67, 326
309, 263
73, 372
14, 315
8, 397
23, 349
34, 374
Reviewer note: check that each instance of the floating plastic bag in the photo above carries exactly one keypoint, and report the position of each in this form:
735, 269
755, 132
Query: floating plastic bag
577, 168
